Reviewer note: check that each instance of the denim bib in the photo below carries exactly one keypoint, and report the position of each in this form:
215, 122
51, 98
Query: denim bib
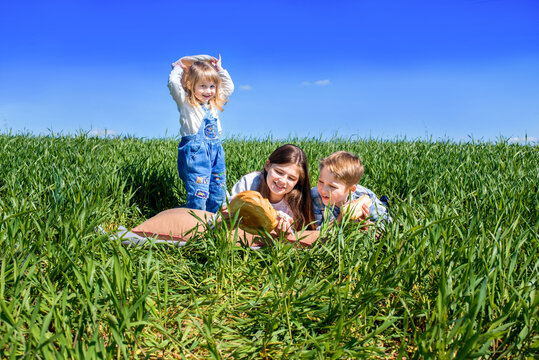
209, 128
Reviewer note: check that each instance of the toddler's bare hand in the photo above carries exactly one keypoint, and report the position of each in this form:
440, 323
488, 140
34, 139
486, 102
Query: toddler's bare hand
216, 63
178, 63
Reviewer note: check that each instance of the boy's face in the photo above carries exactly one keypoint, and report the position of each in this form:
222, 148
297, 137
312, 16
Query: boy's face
331, 190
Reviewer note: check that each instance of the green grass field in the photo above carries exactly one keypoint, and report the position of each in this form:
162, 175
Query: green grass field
455, 276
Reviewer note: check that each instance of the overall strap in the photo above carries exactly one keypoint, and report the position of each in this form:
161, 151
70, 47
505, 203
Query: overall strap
207, 111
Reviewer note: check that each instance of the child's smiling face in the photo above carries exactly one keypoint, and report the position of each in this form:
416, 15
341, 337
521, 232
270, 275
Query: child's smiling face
281, 179
205, 91
331, 190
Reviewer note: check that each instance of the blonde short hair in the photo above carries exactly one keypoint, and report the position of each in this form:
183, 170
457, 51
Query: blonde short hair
344, 166
198, 71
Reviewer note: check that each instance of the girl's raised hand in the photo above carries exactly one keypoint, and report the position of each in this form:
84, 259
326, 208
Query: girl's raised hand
216, 63
178, 63
186, 61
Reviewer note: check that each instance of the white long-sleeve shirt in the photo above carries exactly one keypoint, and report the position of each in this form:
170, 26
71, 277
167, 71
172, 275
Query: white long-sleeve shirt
191, 117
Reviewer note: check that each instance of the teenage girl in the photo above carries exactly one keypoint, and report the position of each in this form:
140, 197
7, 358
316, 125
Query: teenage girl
284, 181
200, 87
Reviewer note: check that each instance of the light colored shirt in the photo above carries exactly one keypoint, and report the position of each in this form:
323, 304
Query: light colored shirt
251, 181
191, 117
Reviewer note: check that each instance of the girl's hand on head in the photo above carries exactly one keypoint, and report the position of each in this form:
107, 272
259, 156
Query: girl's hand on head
216, 63
185, 62
178, 63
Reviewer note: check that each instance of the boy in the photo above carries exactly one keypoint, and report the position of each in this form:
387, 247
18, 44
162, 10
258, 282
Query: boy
338, 185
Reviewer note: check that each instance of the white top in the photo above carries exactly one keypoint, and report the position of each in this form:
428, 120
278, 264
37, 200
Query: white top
191, 117
282, 206
252, 181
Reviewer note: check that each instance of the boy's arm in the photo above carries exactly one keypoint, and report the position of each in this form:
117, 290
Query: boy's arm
318, 208
377, 211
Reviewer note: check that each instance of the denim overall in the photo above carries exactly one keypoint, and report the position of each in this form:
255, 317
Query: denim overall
201, 165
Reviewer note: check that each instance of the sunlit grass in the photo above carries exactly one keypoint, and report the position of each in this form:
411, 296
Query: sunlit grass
454, 276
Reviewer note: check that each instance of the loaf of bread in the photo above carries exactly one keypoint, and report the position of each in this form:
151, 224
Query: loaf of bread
256, 213
356, 206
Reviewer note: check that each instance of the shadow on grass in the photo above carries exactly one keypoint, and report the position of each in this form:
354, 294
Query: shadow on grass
155, 188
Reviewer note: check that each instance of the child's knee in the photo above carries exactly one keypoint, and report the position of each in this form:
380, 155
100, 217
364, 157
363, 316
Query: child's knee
218, 178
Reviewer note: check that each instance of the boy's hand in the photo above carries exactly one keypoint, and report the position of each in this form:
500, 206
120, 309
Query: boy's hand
359, 213
356, 213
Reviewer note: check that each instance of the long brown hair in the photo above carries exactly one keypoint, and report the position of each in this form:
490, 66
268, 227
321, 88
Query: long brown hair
198, 71
299, 199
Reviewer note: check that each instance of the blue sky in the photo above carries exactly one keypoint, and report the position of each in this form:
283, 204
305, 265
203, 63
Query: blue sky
455, 69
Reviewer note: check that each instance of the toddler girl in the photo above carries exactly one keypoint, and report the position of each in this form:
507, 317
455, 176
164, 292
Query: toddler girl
284, 181
200, 87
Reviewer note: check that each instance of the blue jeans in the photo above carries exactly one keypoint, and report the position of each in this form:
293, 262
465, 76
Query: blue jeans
201, 165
